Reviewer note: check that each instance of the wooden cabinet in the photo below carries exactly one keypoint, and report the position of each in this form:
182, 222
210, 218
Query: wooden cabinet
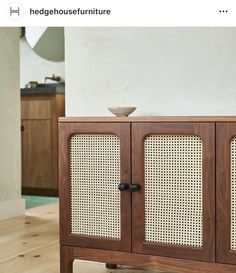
142, 192
226, 192
39, 114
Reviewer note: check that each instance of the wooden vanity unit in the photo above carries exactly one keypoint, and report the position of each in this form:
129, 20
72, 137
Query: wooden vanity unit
149, 192
39, 128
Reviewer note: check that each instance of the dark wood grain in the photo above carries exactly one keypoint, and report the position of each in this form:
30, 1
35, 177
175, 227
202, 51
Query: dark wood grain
224, 134
66, 259
151, 119
150, 261
40, 191
206, 133
123, 132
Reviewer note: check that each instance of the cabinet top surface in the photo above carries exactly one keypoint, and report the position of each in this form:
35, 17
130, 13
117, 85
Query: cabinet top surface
149, 119
45, 89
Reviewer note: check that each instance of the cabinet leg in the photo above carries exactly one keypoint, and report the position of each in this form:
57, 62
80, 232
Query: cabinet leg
66, 259
111, 266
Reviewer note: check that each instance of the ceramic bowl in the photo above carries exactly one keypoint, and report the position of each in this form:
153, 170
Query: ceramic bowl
121, 111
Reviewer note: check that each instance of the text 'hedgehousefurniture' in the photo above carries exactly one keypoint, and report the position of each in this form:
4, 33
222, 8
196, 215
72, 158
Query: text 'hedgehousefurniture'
152, 192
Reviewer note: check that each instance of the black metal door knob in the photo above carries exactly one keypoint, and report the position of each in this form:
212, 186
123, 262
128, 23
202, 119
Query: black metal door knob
123, 187
134, 187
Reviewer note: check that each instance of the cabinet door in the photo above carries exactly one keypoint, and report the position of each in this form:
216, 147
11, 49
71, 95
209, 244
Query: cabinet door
173, 213
94, 158
226, 192
37, 165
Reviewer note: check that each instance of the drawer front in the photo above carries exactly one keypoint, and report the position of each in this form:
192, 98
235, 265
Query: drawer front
35, 109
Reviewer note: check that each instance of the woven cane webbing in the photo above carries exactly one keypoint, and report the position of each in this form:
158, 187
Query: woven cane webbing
233, 194
173, 190
95, 175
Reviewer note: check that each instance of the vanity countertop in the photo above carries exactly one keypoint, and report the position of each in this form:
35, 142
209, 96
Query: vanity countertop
45, 88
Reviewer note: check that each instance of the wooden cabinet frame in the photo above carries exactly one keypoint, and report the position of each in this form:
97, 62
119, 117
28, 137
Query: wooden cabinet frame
170, 258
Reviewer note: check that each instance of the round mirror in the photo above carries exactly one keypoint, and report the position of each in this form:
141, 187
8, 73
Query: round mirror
47, 42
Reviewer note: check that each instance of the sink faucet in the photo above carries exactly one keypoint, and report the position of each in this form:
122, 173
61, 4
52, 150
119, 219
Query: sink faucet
53, 78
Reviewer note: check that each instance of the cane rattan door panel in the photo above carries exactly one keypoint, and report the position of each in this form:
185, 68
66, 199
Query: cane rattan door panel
173, 163
173, 190
226, 192
233, 194
98, 156
95, 176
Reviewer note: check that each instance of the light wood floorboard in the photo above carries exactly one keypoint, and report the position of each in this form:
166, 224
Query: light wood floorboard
29, 244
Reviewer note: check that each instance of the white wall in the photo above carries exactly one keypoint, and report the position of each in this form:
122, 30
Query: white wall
11, 203
162, 71
35, 68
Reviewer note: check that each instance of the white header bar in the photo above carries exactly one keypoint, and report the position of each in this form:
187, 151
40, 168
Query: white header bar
118, 13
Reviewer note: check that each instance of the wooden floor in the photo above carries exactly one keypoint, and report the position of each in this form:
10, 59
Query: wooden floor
29, 244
